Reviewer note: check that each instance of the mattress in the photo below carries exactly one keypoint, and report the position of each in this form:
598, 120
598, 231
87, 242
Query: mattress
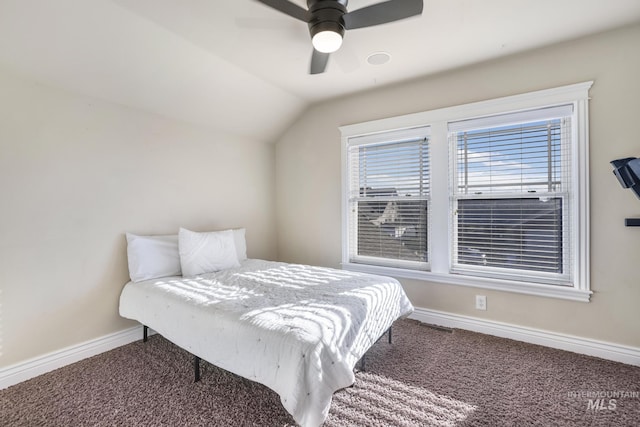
297, 329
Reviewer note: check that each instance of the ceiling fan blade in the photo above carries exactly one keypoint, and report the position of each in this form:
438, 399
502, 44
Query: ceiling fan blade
288, 8
381, 13
318, 62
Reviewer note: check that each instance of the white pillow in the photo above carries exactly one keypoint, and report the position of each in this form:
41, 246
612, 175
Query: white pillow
241, 243
151, 257
206, 252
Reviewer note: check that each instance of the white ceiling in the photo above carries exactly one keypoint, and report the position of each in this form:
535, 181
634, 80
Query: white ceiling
242, 67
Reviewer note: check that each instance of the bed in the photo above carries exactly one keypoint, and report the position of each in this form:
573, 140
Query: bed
297, 329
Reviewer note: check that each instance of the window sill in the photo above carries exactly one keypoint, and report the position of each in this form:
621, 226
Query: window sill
551, 291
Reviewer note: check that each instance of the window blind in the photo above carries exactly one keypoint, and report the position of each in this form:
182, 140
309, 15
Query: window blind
511, 196
388, 199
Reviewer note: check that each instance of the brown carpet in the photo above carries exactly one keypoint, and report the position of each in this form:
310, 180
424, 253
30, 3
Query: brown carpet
427, 377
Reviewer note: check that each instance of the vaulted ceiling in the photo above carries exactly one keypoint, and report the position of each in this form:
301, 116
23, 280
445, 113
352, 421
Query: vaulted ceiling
242, 67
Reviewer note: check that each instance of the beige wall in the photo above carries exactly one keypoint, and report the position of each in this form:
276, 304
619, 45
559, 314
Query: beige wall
77, 173
309, 189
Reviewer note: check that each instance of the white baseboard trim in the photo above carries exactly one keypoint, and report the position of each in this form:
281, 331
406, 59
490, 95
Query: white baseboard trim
23, 371
602, 349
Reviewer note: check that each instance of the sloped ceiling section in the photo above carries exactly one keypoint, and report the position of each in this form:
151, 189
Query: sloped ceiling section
242, 67
100, 49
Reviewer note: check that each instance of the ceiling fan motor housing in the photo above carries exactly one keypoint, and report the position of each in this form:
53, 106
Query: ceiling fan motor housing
326, 15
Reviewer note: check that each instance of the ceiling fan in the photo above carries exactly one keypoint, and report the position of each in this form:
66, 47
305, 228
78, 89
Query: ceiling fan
328, 20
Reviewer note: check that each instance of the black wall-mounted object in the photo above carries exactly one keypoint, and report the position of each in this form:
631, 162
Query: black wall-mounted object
632, 222
627, 171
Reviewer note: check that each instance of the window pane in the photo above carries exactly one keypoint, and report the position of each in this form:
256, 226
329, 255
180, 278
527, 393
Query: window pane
399, 169
523, 234
393, 229
522, 158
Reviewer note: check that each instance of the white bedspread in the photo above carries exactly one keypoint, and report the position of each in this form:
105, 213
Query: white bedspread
297, 329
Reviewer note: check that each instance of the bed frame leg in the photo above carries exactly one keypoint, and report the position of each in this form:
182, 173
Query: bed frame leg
196, 368
363, 362
145, 333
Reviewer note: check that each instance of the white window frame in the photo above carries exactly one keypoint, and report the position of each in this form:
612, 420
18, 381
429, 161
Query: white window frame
565, 193
390, 137
441, 219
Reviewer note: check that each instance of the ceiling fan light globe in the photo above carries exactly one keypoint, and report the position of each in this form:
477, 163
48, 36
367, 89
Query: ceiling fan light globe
327, 41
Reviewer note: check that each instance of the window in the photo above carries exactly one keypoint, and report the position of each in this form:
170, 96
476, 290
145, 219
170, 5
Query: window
511, 195
388, 199
492, 194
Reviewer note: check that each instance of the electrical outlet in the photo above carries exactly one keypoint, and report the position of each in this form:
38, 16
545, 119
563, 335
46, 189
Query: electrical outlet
481, 302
